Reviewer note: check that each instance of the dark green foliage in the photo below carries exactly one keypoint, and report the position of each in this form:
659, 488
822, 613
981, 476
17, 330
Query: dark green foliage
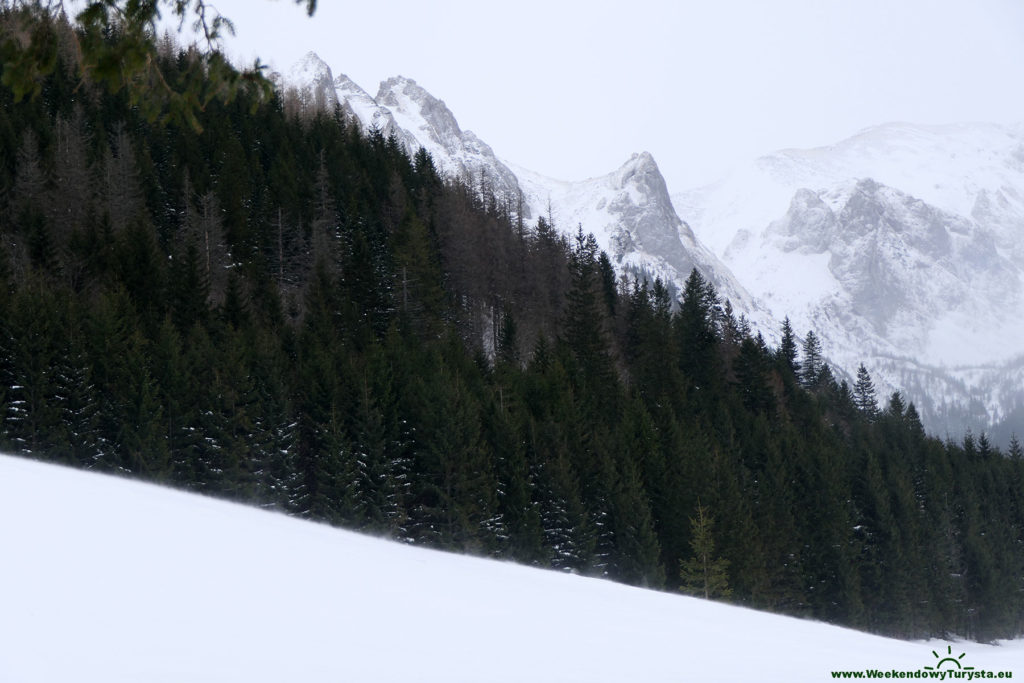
787, 348
810, 369
287, 312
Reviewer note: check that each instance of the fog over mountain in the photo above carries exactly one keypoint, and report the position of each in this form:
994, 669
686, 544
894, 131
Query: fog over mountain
906, 242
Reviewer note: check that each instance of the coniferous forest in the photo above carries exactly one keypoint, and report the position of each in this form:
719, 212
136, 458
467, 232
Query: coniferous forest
287, 311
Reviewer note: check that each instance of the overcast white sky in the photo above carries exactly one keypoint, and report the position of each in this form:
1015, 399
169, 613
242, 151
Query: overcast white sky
571, 89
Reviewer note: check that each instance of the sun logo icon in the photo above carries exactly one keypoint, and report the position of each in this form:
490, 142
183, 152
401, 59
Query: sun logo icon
950, 659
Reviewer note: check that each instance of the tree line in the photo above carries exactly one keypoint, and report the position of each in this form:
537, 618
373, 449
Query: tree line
289, 311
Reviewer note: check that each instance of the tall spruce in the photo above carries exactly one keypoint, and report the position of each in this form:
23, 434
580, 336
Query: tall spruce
864, 393
811, 367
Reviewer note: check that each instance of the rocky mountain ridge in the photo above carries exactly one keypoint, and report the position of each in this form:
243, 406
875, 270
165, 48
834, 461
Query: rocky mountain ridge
629, 210
899, 246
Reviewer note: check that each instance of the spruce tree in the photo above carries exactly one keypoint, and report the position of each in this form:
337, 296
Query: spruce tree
704, 574
787, 348
1014, 451
864, 393
696, 326
810, 370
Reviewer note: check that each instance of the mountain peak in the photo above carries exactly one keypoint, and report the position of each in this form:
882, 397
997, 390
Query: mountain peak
394, 90
342, 81
420, 110
399, 82
308, 69
642, 172
644, 158
312, 77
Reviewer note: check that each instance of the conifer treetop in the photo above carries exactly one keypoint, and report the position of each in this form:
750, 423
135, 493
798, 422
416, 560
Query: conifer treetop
32, 45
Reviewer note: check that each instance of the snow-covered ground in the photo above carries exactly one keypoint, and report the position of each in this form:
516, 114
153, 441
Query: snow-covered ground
108, 580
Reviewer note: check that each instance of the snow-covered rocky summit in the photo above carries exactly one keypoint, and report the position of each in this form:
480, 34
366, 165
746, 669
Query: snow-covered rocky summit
313, 80
428, 121
629, 210
900, 246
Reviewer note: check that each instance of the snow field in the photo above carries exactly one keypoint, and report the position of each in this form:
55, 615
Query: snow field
111, 580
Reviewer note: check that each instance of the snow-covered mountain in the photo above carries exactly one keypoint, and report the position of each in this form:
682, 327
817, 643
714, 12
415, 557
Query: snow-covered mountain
108, 580
629, 210
312, 79
900, 247
907, 241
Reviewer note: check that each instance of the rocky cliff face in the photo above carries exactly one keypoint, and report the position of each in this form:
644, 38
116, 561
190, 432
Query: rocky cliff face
428, 123
630, 212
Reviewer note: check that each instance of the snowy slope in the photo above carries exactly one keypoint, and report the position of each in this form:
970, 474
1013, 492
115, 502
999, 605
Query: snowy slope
107, 580
907, 245
456, 152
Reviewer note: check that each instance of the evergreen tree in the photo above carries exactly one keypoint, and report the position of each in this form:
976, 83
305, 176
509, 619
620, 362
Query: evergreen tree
787, 348
697, 333
1015, 452
704, 573
810, 370
864, 393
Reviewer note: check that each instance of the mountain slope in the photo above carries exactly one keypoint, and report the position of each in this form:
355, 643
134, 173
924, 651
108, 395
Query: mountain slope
110, 580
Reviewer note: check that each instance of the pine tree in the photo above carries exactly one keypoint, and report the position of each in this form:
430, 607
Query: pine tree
1015, 452
342, 377
751, 368
637, 551
382, 466
810, 371
704, 574
697, 331
897, 408
125, 204
787, 348
864, 393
